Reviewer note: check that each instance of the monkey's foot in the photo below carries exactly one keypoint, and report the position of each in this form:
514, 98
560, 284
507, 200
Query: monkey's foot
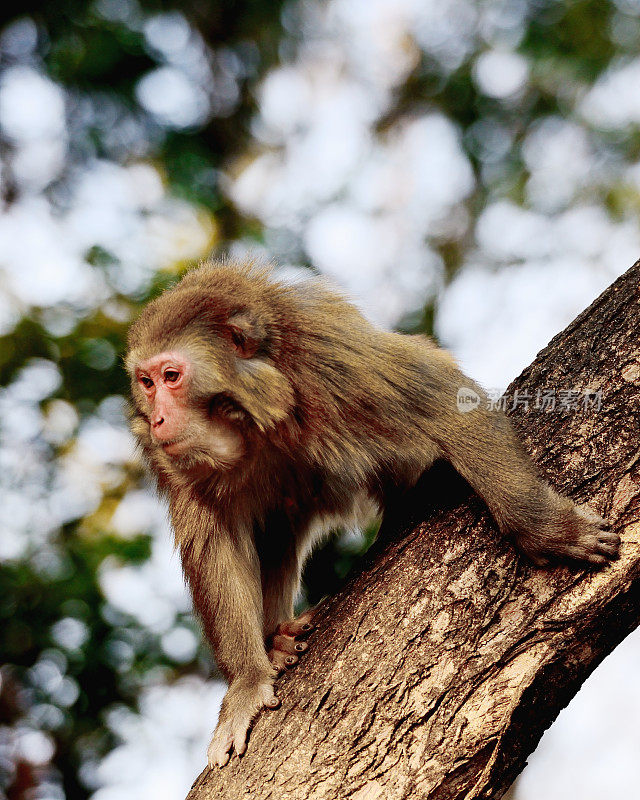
578, 533
239, 708
285, 644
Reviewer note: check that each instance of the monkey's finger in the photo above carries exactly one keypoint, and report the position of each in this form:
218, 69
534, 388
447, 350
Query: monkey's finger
288, 645
281, 660
610, 550
609, 538
276, 666
240, 737
219, 749
277, 660
301, 626
582, 553
219, 759
268, 697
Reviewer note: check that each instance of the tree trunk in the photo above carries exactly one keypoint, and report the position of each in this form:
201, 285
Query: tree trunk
436, 670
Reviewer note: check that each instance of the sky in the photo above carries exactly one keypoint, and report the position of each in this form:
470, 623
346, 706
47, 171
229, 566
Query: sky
366, 208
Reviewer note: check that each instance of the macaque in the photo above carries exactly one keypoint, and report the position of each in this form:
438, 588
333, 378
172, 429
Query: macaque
270, 413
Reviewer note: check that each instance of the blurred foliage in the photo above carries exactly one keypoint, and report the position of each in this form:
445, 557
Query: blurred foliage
99, 58
98, 50
30, 605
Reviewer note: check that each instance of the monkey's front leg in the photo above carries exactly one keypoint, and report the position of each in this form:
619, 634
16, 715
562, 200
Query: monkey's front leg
225, 581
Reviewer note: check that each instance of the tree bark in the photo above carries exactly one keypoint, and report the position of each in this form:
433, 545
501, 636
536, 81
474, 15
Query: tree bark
434, 673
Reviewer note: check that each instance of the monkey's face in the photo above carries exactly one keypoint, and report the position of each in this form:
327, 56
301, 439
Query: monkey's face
207, 377
186, 429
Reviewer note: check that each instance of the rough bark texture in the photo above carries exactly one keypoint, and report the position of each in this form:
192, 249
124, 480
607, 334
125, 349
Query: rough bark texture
434, 673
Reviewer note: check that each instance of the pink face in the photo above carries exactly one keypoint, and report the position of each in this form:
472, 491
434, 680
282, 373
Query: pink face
164, 380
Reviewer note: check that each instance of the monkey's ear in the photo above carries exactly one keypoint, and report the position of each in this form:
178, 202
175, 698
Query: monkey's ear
245, 333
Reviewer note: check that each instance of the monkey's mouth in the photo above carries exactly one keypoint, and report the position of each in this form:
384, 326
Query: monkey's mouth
174, 447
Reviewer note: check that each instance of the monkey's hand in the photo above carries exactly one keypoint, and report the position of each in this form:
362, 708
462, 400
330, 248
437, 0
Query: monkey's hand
284, 646
241, 704
572, 531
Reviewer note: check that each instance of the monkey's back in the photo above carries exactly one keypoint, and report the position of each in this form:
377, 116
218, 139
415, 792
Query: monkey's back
365, 400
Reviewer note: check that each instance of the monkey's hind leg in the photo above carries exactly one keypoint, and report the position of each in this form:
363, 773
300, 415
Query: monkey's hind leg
286, 645
284, 635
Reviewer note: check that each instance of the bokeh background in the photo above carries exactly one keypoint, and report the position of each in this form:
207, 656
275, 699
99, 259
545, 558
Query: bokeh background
468, 169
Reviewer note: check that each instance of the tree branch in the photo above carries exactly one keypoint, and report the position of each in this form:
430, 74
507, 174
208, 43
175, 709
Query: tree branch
434, 673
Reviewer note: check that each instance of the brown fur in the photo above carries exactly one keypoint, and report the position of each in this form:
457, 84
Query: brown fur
328, 413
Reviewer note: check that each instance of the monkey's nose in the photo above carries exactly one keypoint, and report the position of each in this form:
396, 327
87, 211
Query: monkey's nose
157, 422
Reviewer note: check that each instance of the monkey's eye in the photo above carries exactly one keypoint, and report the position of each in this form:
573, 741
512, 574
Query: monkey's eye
171, 376
146, 382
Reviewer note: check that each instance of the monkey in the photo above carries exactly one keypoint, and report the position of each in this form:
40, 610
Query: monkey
271, 412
